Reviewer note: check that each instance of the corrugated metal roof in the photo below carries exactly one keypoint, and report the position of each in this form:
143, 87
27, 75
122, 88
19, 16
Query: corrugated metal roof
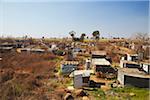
84, 73
134, 72
100, 61
98, 52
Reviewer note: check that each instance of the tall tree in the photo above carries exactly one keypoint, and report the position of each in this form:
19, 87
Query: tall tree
96, 34
82, 37
72, 34
142, 37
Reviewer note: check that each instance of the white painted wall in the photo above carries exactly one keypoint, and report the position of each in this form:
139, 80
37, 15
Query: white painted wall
120, 77
121, 64
146, 68
129, 57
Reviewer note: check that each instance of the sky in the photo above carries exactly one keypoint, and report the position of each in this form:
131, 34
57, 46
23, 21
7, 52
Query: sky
57, 18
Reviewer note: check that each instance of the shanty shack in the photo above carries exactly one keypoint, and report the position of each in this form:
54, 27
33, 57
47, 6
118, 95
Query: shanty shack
81, 78
129, 64
98, 54
102, 66
6, 47
68, 66
103, 69
99, 58
130, 57
133, 77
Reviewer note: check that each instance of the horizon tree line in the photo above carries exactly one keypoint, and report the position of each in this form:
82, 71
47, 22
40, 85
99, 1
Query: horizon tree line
95, 34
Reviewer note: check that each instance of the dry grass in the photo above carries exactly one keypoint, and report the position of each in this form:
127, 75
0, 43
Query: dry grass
23, 76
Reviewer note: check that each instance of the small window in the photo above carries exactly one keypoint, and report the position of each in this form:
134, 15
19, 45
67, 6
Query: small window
85, 79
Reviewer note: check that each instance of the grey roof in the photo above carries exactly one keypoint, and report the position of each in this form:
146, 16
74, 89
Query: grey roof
100, 61
133, 72
84, 73
98, 52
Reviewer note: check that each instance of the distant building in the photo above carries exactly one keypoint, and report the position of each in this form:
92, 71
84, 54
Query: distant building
88, 64
24, 50
131, 57
132, 46
37, 50
6, 47
54, 47
34, 50
129, 61
70, 55
129, 64
98, 54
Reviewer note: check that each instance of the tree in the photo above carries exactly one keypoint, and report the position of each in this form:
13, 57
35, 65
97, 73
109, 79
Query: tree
42, 39
82, 37
142, 40
142, 37
72, 34
96, 34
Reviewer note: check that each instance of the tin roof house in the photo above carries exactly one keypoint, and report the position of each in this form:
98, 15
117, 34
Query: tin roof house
100, 64
133, 77
81, 78
68, 66
132, 57
134, 73
129, 64
129, 61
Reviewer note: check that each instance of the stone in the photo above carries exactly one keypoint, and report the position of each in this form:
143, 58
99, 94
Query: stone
120, 86
114, 85
68, 96
132, 94
85, 98
80, 92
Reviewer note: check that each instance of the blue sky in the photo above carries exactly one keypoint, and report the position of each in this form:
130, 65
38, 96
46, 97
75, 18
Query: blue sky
56, 19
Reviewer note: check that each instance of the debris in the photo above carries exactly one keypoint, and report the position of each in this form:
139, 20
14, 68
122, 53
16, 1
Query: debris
114, 85
68, 96
80, 92
70, 88
132, 94
85, 98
